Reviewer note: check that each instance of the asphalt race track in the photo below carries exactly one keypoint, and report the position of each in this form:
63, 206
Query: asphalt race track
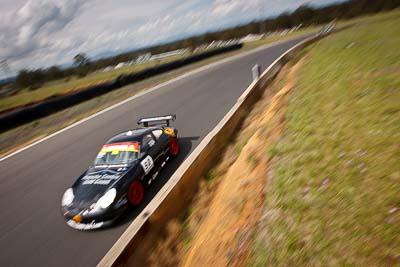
32, 229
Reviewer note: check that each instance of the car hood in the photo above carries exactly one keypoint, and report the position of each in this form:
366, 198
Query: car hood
94, 183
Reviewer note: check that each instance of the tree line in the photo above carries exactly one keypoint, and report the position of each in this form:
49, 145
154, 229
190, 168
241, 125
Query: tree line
305, 15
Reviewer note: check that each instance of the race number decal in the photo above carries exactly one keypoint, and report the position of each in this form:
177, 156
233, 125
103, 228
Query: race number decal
147, 164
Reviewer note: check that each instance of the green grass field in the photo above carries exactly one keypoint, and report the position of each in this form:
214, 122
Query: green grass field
334, 198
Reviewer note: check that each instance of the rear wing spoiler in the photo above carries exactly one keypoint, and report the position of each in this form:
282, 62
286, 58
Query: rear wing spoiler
156, 120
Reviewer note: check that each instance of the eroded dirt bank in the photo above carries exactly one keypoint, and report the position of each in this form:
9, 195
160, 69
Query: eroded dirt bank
218, 225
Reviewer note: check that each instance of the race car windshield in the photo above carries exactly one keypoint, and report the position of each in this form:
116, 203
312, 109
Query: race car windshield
118, 154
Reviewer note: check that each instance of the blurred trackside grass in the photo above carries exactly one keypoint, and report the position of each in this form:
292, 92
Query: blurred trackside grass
19, 137
333, 191
64, 86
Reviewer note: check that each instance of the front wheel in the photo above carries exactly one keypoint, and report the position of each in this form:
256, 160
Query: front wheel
174, 147
136, 193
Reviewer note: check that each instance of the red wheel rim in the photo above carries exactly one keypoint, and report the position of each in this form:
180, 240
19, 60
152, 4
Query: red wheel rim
174, 147
136, 192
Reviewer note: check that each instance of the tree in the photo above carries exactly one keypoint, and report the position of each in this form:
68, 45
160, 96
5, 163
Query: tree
81, 60
31, 79
82, 63
53, 73
24, 78
188, 43
303, 15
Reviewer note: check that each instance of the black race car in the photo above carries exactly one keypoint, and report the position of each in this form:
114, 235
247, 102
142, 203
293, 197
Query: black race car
124, 167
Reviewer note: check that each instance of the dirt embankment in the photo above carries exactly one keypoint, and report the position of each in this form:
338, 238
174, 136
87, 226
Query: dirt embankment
220, 222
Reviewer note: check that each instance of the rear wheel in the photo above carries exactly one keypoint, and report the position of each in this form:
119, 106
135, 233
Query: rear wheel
136, 193
174, 147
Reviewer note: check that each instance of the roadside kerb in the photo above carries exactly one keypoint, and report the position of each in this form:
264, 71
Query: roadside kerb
173, 197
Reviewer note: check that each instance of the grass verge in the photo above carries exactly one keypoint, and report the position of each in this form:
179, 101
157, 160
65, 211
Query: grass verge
334, 182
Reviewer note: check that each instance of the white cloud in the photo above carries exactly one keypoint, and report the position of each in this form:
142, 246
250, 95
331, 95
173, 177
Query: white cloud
225, 7
31, 25
38, 33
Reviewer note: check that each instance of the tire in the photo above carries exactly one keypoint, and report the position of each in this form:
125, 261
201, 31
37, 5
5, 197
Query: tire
174, 147
136, 193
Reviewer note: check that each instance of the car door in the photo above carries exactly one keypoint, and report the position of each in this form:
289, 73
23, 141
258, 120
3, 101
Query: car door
161, 143
152, 159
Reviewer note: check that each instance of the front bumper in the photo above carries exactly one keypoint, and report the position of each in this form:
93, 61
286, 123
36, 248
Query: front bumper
92, 220
88, 226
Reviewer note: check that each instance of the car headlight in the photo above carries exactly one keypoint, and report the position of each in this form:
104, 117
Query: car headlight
68, 197
107, 198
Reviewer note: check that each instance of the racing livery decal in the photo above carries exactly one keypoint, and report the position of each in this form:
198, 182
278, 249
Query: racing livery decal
120, 147
100, 177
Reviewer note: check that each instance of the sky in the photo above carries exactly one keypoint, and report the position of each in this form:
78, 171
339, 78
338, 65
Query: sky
41, 33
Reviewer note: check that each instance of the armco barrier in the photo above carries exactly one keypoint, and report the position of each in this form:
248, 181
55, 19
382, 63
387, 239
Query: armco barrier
27, 114
140, 237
